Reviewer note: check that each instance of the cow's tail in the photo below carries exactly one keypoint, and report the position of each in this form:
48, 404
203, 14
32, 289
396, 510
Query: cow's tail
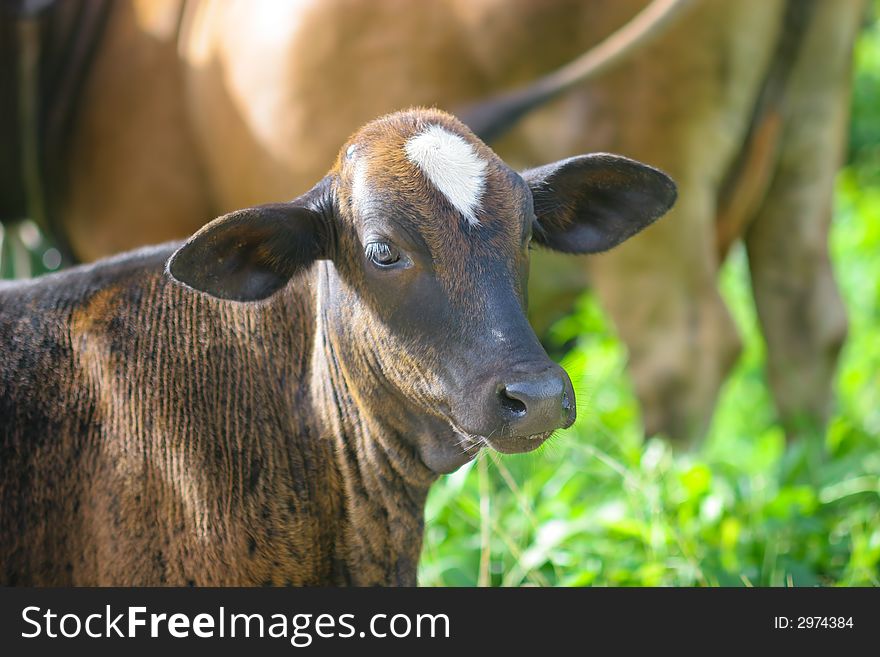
491, 118
747, 179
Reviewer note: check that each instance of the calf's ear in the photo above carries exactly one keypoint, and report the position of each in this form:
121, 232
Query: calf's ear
590, 203
249, 254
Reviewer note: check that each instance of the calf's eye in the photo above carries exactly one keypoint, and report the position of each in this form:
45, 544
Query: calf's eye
382, 254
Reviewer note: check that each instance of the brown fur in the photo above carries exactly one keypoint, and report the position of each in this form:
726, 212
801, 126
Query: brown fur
147, 438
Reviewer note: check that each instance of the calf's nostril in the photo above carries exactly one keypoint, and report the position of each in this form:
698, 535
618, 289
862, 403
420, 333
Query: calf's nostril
510, 404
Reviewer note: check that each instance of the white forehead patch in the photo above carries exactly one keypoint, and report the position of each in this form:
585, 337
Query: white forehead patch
360, 190
452, 166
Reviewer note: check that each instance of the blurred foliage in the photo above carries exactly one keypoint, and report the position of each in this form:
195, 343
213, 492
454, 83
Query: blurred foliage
864, 136
600, 506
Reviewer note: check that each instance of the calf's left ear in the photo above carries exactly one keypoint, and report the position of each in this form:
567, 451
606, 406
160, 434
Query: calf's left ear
249, 254
590, 203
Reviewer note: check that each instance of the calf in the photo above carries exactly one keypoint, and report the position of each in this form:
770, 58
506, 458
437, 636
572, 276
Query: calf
269, 402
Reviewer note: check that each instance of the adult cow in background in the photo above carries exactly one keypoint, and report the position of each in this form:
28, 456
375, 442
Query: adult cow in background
193, 109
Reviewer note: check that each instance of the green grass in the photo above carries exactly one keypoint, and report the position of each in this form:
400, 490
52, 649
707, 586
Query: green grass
599, 506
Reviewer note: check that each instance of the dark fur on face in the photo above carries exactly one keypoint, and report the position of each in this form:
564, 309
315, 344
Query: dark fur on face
272, 406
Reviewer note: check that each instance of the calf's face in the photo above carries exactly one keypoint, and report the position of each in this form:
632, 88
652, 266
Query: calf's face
425, 234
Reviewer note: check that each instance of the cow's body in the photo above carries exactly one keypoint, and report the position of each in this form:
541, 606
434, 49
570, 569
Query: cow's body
153, 435
247, 98
281, 422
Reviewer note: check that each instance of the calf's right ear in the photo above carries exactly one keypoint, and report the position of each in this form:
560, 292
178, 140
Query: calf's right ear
248, 255
591, 203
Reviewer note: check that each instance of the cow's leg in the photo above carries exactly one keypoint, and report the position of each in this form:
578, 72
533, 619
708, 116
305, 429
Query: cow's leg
682, 104
801, 313
659, 289
133, 175
798, 303
661, 293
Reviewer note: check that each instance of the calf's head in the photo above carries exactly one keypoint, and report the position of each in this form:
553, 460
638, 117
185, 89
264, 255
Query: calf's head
419, 238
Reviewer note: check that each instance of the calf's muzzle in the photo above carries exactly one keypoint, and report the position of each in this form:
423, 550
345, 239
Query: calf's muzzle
535, 403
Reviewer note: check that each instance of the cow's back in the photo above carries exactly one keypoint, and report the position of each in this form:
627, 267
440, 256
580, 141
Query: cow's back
150, 432
51, 424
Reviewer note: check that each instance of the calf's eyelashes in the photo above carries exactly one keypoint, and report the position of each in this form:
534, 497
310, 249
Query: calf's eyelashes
383, 254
